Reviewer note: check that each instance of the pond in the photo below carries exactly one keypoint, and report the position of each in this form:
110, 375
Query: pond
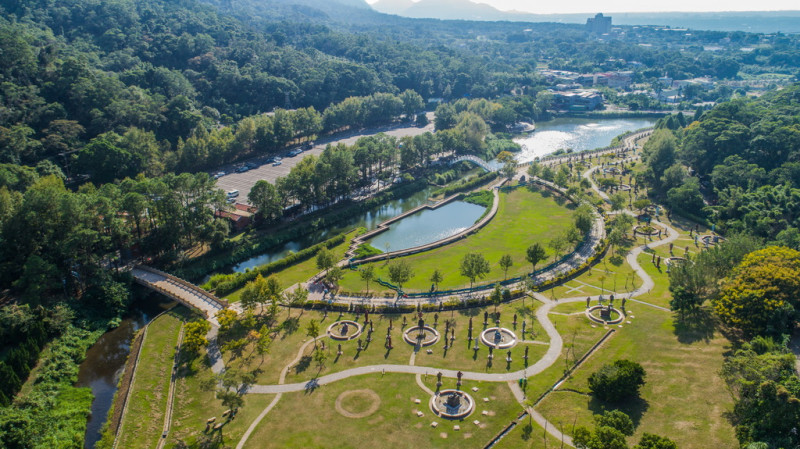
369, 219
427, 226
579, 134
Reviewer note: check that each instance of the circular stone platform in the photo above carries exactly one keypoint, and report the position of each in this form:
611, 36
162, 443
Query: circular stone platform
452, 404
429, 336
344, 330
590, 313
498, 338
712, 239
368, 403
640, 230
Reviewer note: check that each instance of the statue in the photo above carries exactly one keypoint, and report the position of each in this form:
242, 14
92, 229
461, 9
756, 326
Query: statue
453, 401
421, 324
435, 318
360, 345
611, 300
339, 351
344, 329
588, 300
515, 319
485, 317
366, 316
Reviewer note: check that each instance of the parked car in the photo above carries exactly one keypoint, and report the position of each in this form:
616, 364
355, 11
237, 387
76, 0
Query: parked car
276, 163
242, 169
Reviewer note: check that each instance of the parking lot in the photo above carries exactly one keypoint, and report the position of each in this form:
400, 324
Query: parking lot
243, 182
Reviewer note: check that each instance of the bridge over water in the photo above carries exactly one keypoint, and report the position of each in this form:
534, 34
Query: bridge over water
176, 288
475, 160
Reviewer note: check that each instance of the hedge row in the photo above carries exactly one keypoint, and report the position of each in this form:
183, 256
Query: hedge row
469, 185
224, 284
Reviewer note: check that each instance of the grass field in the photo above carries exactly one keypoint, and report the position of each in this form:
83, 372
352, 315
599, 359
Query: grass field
292, 335
144, 419
310, 419
195, 402
524, 217
684, 397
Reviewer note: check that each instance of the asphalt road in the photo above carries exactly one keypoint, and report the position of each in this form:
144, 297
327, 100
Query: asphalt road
243, 182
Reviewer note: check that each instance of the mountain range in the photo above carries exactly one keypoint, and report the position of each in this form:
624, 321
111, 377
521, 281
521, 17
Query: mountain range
750, 21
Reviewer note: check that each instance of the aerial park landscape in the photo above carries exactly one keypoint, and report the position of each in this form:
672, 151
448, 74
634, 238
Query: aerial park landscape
502, 356
348, 224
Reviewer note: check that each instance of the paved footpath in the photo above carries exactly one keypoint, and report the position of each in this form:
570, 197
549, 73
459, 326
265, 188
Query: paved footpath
550, 356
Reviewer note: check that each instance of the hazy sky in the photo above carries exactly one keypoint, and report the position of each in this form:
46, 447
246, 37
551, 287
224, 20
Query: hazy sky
610, 6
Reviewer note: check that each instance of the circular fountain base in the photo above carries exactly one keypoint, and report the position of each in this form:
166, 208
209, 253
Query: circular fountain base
344, 330
498, 338
424, 337
452, 404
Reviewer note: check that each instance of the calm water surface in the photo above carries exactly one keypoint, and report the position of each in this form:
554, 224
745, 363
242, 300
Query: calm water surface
428, 226
105, 361
579, 134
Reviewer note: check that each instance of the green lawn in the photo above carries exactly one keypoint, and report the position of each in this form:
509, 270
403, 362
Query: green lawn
524, 217
144, 419
683, 399
310, 419
292, 335
195, 402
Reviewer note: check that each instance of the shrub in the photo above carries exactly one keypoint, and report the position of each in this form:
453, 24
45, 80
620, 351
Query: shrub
365, 250
618, 381
481, 198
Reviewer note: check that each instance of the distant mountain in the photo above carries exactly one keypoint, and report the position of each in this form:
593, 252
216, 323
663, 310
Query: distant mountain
448, 10
750, 21
396, 7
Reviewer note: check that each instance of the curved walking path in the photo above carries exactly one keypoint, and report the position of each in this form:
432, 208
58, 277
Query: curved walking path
549, 358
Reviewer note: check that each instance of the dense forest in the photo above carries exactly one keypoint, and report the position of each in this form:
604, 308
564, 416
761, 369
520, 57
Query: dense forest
738, 167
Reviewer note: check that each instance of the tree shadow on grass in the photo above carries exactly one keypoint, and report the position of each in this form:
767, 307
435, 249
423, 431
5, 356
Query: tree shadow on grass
303, 364
616, 260
633, 407
290, 326
695, 326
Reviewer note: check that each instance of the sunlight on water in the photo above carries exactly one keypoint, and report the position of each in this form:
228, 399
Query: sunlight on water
575, 133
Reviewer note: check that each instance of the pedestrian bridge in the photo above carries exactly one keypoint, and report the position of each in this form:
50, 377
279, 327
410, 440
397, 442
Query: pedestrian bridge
475, 160
176, 288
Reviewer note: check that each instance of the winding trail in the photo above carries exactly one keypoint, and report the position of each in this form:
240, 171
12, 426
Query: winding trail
542, 315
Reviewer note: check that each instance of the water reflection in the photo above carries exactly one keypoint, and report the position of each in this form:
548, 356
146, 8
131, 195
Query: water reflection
579, 134
428, 226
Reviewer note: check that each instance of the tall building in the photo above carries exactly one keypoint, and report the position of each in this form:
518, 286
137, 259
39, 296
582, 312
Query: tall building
599, 24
